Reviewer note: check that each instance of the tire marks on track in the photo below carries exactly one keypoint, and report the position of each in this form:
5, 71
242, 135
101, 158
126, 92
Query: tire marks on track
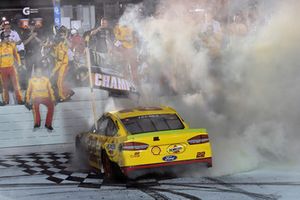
235, 189
181, 194
146, 187
154, 194
151, 189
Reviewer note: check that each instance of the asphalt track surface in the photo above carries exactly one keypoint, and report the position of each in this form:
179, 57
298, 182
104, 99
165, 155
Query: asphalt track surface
53, 175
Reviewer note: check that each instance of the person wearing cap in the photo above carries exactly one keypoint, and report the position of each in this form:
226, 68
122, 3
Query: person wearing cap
14, 37
76, 52
39, 92
61, 66
77, 42
8, 57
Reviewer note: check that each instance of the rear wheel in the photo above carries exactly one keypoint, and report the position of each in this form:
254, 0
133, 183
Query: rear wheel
107, 166
111, 170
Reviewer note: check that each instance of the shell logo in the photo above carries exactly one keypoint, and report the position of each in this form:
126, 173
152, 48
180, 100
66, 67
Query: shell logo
155, 150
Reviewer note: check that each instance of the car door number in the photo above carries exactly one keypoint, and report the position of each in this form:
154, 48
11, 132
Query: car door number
93, 144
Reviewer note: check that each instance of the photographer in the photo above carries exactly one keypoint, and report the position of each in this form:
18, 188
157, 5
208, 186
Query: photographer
101, 43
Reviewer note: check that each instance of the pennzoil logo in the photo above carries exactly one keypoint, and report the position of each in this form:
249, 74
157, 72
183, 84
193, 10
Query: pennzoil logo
175, 148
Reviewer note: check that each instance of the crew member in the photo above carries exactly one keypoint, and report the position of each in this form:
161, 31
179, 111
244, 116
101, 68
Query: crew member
8, 57
61, 66
15, 37
1, 103
125, 41
40, 91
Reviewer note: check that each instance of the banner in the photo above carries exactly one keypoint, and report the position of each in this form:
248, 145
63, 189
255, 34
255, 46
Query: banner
57, 13
111, 80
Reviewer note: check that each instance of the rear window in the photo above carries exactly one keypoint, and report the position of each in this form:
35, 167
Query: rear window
151, 123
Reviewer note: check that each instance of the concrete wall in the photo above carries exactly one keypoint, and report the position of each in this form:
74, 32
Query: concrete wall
70, 118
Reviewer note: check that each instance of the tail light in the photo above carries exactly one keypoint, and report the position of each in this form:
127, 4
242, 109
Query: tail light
134, 146
199, 139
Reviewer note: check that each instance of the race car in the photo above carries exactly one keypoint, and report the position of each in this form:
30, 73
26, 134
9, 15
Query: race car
128, 140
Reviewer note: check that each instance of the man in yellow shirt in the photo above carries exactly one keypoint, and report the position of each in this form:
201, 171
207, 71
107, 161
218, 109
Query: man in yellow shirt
125, 41
61, 68
8, 57
40, 91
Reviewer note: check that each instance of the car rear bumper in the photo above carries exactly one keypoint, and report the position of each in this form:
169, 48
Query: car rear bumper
127, 170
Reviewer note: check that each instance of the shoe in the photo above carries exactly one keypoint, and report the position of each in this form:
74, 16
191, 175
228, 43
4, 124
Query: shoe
3, 103
68, 97
50, 128
71, 93
36, 126
60, 100
28, 106
21, 102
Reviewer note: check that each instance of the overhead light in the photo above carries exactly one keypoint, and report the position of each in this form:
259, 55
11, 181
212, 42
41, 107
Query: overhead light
197, 10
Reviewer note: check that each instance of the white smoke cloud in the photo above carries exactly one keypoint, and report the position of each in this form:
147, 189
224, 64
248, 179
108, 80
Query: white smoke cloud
248, 97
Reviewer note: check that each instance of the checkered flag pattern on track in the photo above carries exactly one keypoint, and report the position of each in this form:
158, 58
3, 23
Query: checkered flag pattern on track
56, 167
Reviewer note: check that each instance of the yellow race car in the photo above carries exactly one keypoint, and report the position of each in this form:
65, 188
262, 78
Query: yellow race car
129, 140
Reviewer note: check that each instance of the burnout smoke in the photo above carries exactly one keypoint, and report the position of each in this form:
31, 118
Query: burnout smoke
248, 97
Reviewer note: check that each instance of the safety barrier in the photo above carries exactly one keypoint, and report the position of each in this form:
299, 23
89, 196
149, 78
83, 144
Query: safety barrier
70, 118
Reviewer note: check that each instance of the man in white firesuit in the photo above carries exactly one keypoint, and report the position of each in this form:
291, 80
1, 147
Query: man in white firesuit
14, 37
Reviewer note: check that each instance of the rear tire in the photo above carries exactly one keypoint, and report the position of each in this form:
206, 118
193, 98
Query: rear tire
111, 170
107, 166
